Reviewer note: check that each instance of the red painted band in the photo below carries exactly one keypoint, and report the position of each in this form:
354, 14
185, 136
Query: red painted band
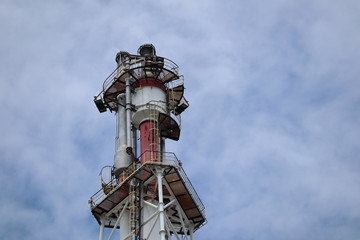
149, 82
149, 142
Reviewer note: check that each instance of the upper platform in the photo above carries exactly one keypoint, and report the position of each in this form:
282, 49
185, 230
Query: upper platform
135, 68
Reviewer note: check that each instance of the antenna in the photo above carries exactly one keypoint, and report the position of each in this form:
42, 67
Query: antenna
148, 195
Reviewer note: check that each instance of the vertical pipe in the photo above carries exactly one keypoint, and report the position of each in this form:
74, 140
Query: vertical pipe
162, 150
101, 234
121, 159
128, 113
148, 141
121, 121
140, 207
191, 230
134, 142
159, 175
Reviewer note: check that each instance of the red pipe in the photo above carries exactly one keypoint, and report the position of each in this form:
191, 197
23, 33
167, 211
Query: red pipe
149, 141
149, 136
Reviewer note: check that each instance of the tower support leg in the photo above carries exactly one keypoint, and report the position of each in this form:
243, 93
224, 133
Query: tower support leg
101, 234
191, 230
159, 175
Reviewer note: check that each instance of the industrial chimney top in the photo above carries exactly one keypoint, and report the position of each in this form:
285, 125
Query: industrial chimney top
146, 193
147, 50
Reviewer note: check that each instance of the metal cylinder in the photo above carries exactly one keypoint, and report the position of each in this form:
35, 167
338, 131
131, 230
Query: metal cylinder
149, 96
121, 159
149, 142
159, 175
150, 100
121, 122
128, 113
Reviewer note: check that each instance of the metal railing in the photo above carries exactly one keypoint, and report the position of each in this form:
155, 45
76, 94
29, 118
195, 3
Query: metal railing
136, 62
177, 118
106, 175
176, 82
164, 158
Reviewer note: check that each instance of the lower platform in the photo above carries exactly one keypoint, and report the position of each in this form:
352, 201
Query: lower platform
176, 184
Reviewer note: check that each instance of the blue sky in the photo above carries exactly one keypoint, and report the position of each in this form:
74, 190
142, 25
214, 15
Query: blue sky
270, 141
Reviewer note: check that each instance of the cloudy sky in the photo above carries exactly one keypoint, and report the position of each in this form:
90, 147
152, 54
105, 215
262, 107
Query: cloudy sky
270, 141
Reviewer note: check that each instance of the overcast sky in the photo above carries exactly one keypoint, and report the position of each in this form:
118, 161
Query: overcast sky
271, 140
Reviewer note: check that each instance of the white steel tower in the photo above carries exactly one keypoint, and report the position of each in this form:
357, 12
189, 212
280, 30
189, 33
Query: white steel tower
146, 193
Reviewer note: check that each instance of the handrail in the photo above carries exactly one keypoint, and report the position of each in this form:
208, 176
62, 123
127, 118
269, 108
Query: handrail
158, 107
167, 158
135, 63
176, 82
107, 174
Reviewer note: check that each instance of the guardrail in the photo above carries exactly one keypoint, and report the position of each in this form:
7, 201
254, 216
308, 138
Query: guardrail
191, 190
176, 82
165, 158
136, 62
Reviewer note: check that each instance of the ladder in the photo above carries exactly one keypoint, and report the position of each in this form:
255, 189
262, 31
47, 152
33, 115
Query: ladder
154, 133
134, 202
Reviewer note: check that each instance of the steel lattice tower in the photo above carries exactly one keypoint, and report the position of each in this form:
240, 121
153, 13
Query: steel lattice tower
146, 193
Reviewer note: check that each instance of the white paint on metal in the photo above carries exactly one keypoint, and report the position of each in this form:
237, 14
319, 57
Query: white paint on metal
169, 204
149, 218
133, 109
134, 138
159, 175
117, 208
124, 225
177, 203
121, 159
121, 121
142, 98
150, 229
172, 227
181, 221
101, 234
116, 224
191, 230
150, 204
155, 224
128, 112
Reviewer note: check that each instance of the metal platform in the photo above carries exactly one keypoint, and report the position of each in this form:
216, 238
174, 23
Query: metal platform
169, 128
136, 68
176, 184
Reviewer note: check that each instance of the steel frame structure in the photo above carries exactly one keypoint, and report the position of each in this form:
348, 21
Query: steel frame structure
177, 210
148, 197
167, 229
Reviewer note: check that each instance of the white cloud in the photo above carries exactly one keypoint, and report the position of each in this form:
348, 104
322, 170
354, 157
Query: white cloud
270, 140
